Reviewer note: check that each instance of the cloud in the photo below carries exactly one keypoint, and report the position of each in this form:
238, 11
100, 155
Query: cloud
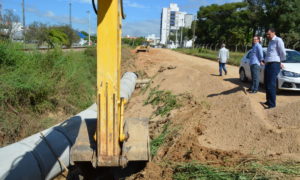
57, 18
80, 1
129, 3
86, 1
49, 14
142, 28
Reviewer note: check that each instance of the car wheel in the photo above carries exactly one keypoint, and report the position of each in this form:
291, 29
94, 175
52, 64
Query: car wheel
243, 76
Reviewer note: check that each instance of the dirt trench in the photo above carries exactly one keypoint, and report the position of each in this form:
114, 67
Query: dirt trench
220, 124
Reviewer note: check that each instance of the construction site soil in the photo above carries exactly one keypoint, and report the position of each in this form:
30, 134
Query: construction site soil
218, 122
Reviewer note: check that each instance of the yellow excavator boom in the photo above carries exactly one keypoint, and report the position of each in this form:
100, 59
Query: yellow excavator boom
108, 82
108, 146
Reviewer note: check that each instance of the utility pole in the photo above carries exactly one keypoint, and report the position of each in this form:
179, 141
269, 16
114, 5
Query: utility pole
181, 45
70, 19
176, 39
0, 14
70, 14
24, 28
89, 27
194, 30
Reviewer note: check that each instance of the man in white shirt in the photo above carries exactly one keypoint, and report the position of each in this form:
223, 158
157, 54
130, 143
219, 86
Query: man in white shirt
223, 58
275, 55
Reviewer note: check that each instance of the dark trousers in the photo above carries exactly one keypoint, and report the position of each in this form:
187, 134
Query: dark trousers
222, 66
271, 71
255, 70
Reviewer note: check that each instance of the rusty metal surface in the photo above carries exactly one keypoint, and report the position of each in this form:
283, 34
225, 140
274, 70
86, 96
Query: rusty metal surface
108, 161
137, 147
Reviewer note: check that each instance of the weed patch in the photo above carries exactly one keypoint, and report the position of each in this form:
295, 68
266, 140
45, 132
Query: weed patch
165, 101
248, 171
34, 83
157, 142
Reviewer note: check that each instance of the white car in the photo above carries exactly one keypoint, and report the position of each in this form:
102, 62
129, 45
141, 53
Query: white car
287, 79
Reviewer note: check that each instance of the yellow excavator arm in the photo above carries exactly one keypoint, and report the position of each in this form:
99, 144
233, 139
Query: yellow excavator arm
108, 82
109, 146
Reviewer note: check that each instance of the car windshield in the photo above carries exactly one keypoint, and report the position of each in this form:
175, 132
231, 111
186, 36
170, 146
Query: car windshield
292, 57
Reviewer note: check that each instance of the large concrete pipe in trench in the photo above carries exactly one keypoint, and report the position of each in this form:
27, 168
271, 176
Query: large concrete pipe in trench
46, 154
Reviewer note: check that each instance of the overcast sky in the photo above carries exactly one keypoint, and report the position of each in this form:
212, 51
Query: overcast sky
142, 16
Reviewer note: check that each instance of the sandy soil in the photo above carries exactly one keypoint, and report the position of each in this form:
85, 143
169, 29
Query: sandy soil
220, 120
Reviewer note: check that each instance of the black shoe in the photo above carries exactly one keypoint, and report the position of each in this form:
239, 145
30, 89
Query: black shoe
249, 90
253, 92
270, 107
266, 103
220, 75
225, 73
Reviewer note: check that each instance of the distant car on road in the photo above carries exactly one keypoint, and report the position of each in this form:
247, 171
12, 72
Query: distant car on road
287, 79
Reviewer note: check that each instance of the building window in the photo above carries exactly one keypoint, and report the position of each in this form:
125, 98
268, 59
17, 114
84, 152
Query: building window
172, 18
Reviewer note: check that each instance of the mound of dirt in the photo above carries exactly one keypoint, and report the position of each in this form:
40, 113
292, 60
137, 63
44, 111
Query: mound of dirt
218, 123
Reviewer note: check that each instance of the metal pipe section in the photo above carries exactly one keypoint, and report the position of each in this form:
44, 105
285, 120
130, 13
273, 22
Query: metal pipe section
46, 154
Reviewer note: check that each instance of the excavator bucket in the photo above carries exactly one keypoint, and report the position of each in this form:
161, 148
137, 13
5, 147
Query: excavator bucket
137, 146
84, 148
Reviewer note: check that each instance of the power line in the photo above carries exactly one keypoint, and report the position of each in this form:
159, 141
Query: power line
89, 27
70, 14
24, 27
23, 8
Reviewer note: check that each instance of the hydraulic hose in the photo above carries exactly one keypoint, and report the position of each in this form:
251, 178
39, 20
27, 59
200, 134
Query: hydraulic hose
122, 10
94, 7
121, 4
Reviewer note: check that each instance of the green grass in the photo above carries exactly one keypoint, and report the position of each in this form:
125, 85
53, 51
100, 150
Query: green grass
34, 83
248, 171
164, 101
158, 141
235, 57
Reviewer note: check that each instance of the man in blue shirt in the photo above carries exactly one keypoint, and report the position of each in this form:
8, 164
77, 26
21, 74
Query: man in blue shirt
275, 55
256, 57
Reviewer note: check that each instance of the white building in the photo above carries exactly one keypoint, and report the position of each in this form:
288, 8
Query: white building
152, 39
17, 31
188, 20
14, 31
172, 19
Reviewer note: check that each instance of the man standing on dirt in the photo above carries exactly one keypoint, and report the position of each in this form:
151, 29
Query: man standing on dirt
223, 58
275, 55
256, 57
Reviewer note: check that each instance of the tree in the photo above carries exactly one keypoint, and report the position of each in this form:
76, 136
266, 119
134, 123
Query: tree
57, 38
37, 32
282, 15
94, 38
292, 39
223, 24
134, 41
236, 23
9, 23
72, 36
